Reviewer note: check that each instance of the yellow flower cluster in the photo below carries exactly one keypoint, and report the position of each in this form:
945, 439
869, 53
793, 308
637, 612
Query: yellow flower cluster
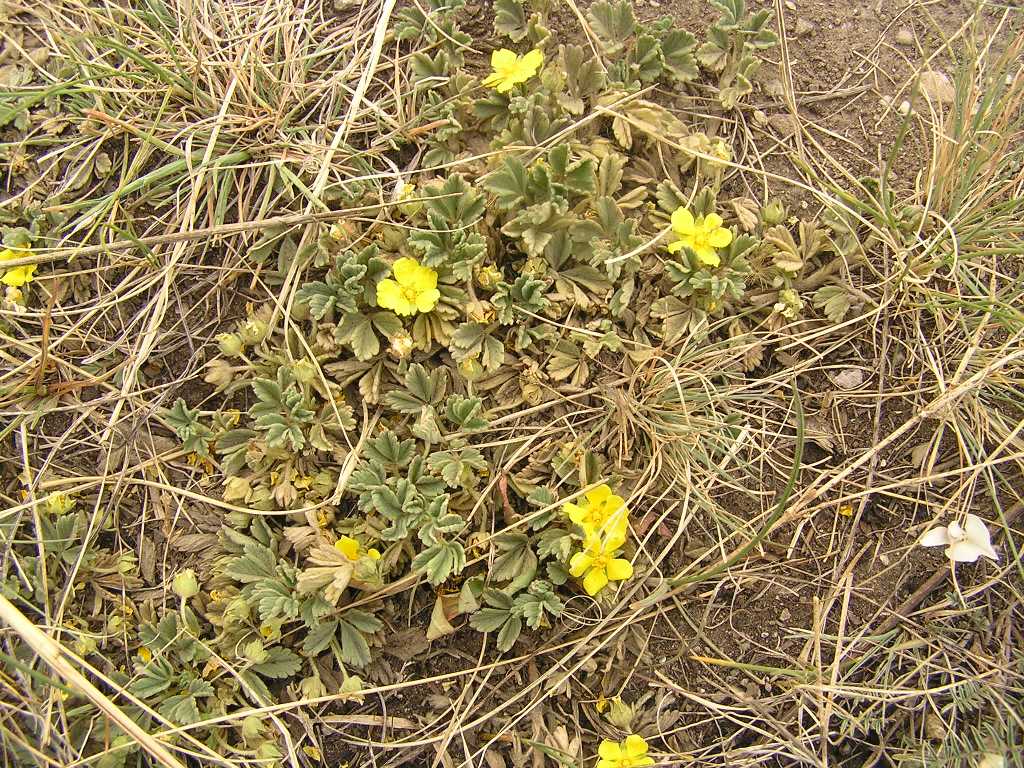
352, 550
703, 235
603, 516
510, 69
630, 753
413, 290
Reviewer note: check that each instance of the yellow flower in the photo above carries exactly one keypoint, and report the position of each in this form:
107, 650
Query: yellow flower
510, 70
703, 235
349, 547
16, 277
598, 565
600, 513
145, 654
413, 290
631, 753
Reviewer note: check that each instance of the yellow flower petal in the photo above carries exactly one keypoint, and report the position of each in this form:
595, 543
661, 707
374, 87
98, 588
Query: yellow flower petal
389, 294
532, 61
634, 746
599, 494
712, 221
503, 59
595, 580
707, 256
720, 238
579, 564
682, 222
609, 750
348, 546
619, 569
427, 300
406, 271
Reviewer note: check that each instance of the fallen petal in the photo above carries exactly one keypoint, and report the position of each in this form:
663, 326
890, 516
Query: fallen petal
936, 537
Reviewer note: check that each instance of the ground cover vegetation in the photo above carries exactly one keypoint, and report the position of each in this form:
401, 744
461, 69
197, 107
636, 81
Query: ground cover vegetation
378, 391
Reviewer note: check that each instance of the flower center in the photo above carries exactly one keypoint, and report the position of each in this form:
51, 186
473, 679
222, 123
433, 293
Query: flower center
409, 294
700, 240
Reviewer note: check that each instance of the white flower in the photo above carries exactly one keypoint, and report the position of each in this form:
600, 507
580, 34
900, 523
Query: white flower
964, 543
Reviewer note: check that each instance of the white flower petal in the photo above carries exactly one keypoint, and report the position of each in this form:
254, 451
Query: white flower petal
963, 551
936, 537
977, 534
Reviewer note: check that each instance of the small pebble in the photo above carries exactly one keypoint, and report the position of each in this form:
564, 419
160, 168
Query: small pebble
791, 5
904, 108
804, 27
904, 36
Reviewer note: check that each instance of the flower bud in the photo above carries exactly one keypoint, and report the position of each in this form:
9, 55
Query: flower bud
230, 344
304, 372
407, 202
185, 584
773, 213
253, 331
531, 392
471, 369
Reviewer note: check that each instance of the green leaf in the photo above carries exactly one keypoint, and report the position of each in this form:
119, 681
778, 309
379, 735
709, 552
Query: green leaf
256, 564
509, 633
455, 201
677, 49
516, 561
185, 423
319, 637
364, 621
457, 467
489, 619
533, 605
354, 648
645, 59
155, 678
510, 19
356, 330
430, 387
280, 662
440, 561
463, 413
834, 301
387, 449
613, 23
584, 77
509, 184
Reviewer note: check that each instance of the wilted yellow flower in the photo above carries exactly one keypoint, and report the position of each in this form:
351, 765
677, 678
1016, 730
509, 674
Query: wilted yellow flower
413, 290
598, 565
402, 344
703, 235
350, 548
510, 69
59, 503
631, 753
16, 277
600, 513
